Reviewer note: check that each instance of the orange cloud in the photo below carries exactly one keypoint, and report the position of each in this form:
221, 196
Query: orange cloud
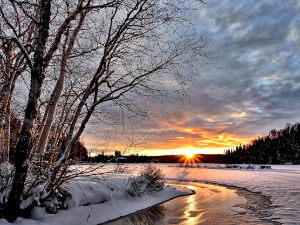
176, 137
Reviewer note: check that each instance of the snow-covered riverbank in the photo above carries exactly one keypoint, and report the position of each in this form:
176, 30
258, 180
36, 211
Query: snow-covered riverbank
100, 198
281, 183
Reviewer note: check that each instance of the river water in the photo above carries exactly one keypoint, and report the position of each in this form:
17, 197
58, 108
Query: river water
210, 204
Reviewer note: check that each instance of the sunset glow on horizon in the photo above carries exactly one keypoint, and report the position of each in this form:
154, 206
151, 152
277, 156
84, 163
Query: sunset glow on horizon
178, 140
249, 87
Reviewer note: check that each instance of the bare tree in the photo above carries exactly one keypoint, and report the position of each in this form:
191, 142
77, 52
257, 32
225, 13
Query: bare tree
12, 62
112, 53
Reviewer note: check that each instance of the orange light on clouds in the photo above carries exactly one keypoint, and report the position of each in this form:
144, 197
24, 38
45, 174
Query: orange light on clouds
239, 114
182, 139
206, 143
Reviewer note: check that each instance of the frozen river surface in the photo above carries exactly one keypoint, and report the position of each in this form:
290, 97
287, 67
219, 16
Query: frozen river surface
211, 204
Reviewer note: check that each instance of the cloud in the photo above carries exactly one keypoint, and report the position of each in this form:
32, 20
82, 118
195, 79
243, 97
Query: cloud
251, 85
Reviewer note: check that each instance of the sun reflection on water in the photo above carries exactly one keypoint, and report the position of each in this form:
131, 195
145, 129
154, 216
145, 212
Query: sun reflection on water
193, 213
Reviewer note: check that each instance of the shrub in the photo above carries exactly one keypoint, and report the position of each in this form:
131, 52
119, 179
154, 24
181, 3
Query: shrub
123, 169
250, 167
60, 200
34, 191
150, 179
265, 167
6, 177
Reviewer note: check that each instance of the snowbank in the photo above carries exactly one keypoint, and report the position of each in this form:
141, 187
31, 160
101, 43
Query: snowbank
96, 201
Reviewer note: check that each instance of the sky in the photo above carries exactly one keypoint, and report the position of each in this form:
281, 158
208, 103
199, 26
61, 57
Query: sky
250, 86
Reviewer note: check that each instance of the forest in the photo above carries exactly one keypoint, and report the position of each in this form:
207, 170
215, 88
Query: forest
278, 147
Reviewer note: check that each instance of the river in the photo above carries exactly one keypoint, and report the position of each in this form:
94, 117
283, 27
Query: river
210, 204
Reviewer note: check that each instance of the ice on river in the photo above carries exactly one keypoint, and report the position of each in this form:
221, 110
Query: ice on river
281, 183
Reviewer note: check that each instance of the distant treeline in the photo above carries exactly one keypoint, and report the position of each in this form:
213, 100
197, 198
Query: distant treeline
117, 157
136, 158
280, 146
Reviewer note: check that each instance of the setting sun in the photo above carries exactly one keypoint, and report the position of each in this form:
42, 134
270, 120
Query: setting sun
190, 156
190, 152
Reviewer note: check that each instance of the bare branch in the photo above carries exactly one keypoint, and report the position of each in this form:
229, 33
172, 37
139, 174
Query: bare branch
25, 12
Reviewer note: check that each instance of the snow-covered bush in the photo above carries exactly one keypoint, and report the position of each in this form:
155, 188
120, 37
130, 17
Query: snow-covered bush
231, 166
60, 200
34, 193
250, 167
123, 169
265, 167
150, 179
39, 172
6, 177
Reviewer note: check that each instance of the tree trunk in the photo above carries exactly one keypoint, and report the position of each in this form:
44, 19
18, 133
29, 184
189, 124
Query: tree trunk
6, 133
12, 207
58, 88
5, 127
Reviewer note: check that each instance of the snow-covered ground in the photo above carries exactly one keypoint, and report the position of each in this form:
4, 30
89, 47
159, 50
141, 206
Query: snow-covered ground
95, 200
281, 183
